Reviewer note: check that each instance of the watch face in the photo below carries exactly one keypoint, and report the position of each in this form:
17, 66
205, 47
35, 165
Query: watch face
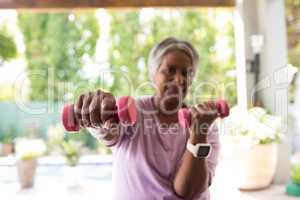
203, 151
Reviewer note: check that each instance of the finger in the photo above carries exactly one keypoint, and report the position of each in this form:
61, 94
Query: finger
85, 110
205, 117
203, 112
95, 111
77, 109
196, 113
214, 108
100, 94
211, 108
108, 107
200, 105
209, 114
203, 106
211, 105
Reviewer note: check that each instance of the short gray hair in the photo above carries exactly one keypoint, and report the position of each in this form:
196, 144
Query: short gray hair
158, 52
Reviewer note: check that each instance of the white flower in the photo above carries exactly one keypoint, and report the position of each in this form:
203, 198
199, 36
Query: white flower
256, 124
29, 148
272, 121
257, 112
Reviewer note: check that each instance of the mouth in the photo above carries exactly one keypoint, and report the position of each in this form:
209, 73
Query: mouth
174, 90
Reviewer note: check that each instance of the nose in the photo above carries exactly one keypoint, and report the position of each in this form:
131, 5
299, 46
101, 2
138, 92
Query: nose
179, 79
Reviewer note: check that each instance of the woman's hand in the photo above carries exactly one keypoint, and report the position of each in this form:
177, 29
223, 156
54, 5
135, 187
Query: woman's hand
193, 176
203, 115
94, 109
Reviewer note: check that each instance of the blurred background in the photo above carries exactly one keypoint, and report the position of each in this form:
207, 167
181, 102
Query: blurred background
48, 56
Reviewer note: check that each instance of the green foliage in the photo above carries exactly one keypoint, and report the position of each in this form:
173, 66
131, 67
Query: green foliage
295, 174
131, 41
71, 151
71, 145
7, 138
293, 32
29, 156
8, 49
53, 41
293, 2
58, 140
292, 15
57, 46
8, 135
85, 138
295, 168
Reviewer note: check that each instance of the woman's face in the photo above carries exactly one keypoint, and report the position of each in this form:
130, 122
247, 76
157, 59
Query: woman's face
173, 79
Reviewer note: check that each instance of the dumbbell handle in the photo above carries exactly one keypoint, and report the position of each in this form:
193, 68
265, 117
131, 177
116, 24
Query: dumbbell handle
184, 115
125, 113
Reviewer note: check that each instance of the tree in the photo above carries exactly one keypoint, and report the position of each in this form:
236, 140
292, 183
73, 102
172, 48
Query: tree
293, 33
132, 38
293, 30
57, 46
8, 49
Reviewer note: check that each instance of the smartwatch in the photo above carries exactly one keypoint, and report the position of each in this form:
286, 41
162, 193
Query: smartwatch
199, 150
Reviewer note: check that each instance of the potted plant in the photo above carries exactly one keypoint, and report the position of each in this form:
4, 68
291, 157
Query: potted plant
7, 144
7, 139
57, 141
255, 136
293, 187
27, 153
70, 149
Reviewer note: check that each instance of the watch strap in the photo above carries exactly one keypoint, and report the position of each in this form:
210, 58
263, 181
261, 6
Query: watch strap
195, 148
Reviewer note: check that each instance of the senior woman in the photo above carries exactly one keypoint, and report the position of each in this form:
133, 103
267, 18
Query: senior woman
154, 158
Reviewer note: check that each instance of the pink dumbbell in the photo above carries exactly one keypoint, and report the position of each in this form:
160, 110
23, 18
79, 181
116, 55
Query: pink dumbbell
125, 113
184, 115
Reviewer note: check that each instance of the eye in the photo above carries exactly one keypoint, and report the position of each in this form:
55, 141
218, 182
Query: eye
170, 70
187, 72
184, 72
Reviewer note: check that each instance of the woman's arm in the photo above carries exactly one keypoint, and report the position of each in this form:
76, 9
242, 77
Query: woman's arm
194, 174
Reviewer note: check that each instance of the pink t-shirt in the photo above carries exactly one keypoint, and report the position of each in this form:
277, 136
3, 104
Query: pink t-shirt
148, 155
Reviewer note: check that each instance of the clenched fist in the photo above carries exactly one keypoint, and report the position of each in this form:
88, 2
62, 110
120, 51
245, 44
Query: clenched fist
94, 109
203, 115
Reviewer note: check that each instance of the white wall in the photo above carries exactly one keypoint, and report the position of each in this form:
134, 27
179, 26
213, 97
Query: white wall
266, 17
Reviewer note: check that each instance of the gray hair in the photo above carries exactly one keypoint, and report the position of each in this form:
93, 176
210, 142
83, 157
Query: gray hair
158, 52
